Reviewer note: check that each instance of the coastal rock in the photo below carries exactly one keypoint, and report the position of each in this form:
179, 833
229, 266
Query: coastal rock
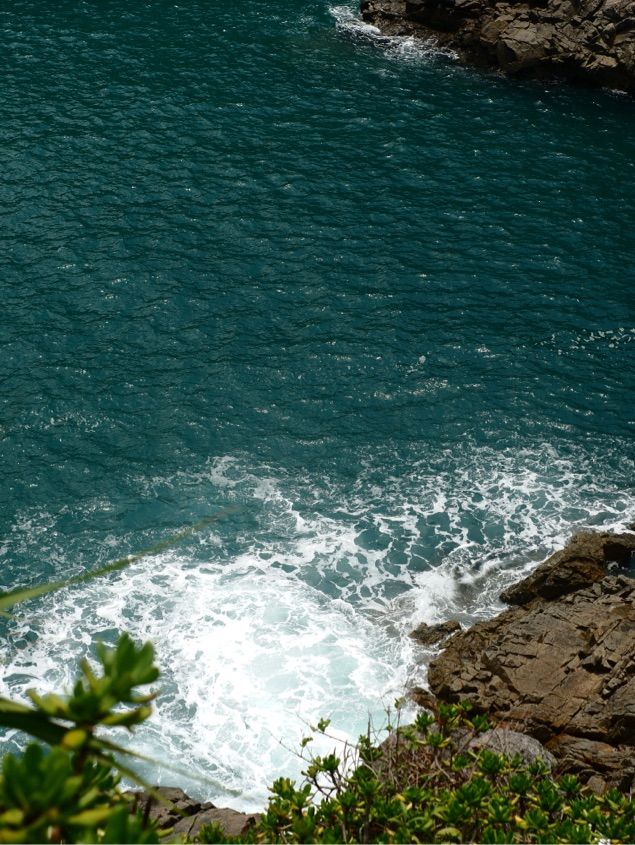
587, 558
428, 635
174, 812
422, 698
590, 759
232, 822
166, 806
585, 41
561, 665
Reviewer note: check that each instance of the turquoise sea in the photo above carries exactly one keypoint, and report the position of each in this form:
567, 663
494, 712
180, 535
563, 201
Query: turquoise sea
374, 308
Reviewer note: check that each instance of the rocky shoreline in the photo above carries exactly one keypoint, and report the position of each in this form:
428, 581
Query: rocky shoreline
555, 673
559, 665
588, 42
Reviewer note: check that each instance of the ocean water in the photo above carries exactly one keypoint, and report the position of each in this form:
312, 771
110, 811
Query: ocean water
373, 309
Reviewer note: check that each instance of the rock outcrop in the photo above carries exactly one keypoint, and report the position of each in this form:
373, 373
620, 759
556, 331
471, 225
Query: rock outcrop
560, 666
584, 41
428, 635
178, 816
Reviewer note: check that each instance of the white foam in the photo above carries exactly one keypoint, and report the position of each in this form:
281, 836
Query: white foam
612, 338
305, 612
348, 19
250, 655
400, 47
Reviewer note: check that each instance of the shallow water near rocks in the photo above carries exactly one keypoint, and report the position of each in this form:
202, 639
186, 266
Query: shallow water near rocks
373, 308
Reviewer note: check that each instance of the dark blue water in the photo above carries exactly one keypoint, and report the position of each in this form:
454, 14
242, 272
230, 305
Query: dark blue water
380, 305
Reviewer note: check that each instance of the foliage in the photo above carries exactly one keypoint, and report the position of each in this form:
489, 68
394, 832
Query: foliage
423, 784
69, 793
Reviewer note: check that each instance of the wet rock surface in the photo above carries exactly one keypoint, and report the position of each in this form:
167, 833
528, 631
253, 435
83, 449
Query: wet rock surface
560, 666
428, 635
584, 41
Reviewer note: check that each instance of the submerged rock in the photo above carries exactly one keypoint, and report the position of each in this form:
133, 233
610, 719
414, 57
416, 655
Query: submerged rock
586, 41
561, 665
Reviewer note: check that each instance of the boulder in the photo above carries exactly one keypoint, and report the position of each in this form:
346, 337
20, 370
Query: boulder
179, 816
513, 744
165, 806
232, 822
587, 558
422, 698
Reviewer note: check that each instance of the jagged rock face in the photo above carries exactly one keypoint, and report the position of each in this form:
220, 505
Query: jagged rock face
586, 559
561, 666
167, 806
587, 41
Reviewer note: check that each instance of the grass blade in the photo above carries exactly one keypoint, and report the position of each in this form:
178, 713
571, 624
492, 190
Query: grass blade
22, 594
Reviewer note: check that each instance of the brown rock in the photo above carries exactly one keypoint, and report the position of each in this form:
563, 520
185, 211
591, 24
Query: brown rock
428, 635
584, 561
561, 666
597, 784
588, 41
232, 822
165, 806
589, 758
173, 811
423, 698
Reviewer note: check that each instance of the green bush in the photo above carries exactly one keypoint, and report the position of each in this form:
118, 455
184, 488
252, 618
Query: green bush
68, 792
423, 784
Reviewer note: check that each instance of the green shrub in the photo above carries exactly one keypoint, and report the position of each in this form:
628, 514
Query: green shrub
423, 784
68, 792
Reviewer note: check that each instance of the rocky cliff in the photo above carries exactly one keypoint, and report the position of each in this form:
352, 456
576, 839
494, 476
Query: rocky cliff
560, 664
585, 41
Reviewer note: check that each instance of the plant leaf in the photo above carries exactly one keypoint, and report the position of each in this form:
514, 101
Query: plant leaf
22, 594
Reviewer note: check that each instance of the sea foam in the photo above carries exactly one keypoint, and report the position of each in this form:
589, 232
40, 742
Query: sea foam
260, 631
